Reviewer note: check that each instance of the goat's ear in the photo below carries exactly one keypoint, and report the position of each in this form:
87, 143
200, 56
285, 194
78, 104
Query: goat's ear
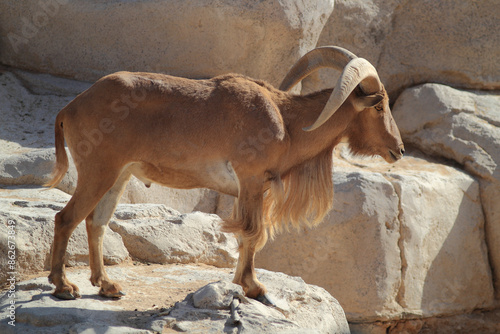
367, 101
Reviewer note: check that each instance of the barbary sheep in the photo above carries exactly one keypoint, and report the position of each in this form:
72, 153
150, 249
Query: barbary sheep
269, 148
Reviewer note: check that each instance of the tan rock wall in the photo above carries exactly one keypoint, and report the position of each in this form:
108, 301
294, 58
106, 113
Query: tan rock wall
86, 40
417, 41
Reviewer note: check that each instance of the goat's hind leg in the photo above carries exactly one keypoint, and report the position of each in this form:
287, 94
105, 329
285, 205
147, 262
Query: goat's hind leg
87, 194
65, 224
96, 224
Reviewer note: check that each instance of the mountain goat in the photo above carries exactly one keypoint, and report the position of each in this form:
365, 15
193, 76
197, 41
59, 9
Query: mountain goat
270, 149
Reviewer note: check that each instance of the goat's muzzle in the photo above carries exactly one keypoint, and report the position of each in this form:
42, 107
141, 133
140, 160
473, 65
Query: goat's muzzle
396, 155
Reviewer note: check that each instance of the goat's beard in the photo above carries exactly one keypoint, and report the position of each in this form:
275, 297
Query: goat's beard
302, 197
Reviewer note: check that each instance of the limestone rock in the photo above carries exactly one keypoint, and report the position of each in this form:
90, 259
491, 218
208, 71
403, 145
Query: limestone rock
27, 131
468, 51
413, 42
28, 215
319, 312
34, 168
464, 127
455, 124
445, 267
310, 309
187, 38
156, 234
217, 296
359, 26
388, 247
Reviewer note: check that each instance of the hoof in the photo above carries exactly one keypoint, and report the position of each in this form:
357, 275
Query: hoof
115, 295
66, 295
266, 299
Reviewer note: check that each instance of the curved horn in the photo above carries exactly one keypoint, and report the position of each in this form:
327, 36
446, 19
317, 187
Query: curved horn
326, 56
358, 71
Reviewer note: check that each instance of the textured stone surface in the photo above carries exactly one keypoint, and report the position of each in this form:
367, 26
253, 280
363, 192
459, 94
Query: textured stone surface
32, 212
353, 253
456, 124
445, 267
27, 126
34, 168
306, 308
418, 41
388, 247
157, 234
217, 296
463, 126
188, 38
479, 322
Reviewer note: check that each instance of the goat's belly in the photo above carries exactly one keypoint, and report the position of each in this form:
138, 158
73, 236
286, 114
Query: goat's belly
218, 176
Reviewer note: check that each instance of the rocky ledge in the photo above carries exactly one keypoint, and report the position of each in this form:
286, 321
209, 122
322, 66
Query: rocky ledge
173, 298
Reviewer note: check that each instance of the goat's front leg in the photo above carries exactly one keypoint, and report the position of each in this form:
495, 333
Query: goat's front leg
245, 271
65, 224
247, 223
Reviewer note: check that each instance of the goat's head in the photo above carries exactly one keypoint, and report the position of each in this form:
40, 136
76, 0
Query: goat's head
373, 130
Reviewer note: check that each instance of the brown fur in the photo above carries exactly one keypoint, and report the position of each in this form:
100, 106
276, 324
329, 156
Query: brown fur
233, 134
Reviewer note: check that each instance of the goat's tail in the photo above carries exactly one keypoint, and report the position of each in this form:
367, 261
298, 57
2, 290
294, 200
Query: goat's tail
62, 163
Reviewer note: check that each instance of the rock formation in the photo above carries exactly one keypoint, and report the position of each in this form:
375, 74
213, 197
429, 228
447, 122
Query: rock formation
302, 308
463, 126
411, 246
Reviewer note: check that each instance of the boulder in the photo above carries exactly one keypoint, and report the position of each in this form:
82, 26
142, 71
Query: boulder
413, 42
319, 312
388, 248
34, 167
304, 308
462, 126
445, 268
157, 234
27, 216
185, 38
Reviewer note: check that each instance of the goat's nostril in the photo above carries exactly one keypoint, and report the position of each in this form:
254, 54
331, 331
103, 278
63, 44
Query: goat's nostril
402, 151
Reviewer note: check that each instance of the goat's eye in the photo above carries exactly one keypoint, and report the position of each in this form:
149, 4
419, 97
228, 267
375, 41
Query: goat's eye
379, 108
